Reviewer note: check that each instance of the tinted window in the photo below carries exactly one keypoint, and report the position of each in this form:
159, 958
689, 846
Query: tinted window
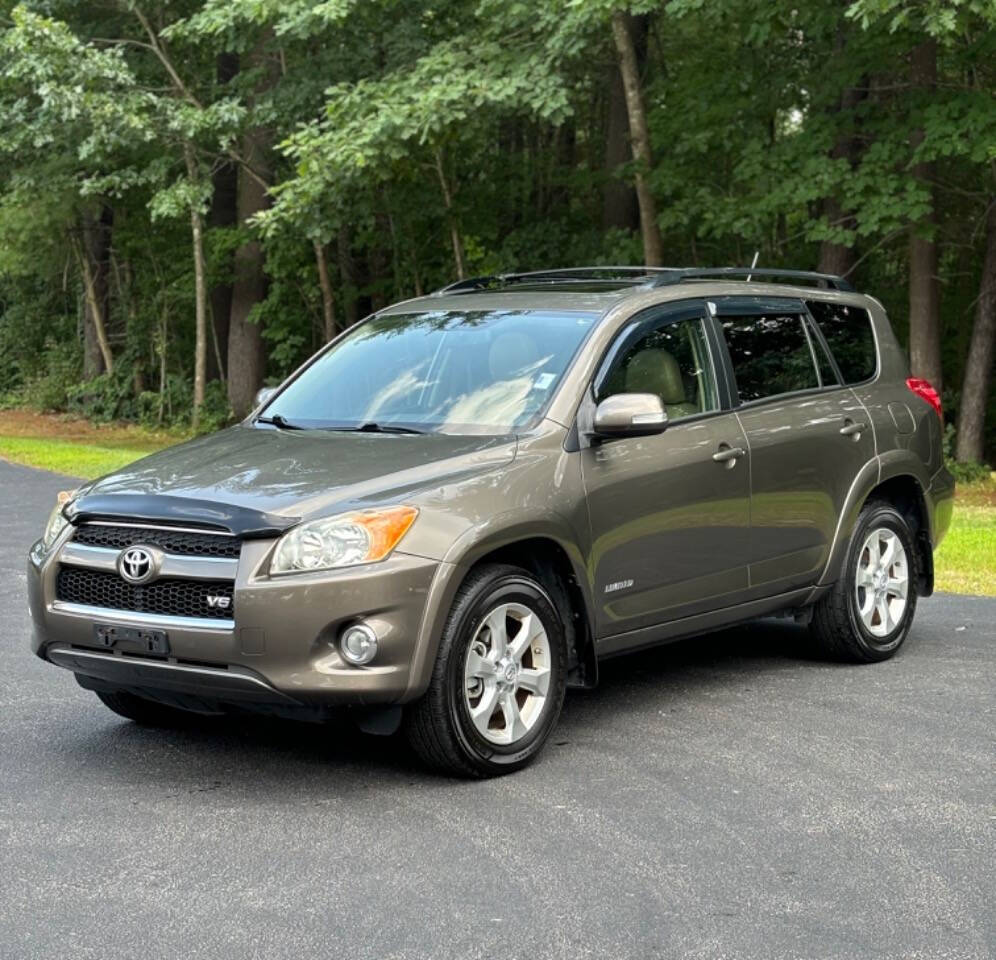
848, 331
770, 355
827, 375
479, 371
672, 362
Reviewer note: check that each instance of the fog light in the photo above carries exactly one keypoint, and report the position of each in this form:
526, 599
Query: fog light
358, 644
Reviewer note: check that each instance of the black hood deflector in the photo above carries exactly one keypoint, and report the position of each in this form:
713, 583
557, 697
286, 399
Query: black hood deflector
179, 511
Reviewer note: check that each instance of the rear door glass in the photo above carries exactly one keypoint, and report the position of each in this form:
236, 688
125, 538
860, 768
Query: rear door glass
770, 355
848, 332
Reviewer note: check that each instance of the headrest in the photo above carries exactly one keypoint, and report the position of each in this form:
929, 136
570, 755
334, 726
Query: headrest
656, 371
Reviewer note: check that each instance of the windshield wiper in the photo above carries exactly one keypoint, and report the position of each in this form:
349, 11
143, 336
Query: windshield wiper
371, 427
280, 422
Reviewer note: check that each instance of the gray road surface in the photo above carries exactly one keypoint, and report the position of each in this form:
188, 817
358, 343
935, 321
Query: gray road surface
723, 797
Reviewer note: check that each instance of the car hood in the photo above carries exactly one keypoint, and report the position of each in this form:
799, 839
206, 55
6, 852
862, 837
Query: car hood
254, 480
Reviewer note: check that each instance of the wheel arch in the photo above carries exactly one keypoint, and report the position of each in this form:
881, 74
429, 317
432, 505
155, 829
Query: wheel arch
900, 479
549, 551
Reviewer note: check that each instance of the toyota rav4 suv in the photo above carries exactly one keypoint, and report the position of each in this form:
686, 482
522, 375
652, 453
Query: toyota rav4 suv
458, 507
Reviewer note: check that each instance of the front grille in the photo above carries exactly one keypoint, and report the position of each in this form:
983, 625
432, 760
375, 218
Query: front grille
183, 542
173, 597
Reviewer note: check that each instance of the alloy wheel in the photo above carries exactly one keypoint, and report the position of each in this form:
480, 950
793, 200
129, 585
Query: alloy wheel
881, 583
507, 673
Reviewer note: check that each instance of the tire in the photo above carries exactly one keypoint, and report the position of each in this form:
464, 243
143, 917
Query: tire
850, 622
472, 678
146, 712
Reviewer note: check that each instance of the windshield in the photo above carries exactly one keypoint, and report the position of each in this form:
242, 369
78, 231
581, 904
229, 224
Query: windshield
447, 371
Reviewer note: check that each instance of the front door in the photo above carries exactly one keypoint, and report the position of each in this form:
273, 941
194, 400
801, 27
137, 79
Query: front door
808, 437
669, 513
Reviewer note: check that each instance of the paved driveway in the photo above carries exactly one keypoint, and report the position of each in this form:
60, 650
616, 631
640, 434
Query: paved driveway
722, 797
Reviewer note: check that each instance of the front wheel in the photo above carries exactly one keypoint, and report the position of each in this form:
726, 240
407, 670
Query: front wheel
867, 614
498, 683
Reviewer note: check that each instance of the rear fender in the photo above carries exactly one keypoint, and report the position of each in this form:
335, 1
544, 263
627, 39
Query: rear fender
888, 466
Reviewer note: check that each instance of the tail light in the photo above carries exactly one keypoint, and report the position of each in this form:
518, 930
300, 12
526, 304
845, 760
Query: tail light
925, 391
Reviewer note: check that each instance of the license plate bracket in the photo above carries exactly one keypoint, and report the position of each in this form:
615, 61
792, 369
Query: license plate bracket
131, 639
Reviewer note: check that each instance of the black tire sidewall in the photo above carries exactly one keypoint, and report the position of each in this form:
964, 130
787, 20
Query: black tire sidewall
505, 588
877, 516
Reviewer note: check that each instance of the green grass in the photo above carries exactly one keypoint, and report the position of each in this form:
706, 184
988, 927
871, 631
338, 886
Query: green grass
965, 562
74, 458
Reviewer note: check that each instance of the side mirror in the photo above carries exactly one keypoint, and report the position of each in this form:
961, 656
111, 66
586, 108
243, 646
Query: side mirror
630, 415
263, 395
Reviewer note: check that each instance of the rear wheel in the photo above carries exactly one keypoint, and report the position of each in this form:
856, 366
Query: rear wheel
149, 713
867, 614
498, 683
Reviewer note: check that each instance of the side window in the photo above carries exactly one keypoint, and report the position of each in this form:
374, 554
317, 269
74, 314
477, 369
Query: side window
770, 355
671, 361
848, 332
828, 378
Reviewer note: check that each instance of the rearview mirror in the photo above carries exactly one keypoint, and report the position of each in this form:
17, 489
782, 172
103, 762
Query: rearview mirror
630, 415
263, 395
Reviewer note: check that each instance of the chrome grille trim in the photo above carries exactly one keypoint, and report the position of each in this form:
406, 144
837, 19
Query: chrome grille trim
174, 565
210, 531
138, 619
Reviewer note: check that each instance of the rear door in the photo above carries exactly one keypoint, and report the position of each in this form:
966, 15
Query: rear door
808, 436
669, 521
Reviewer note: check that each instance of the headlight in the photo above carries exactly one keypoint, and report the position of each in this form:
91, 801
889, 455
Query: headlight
56, 524
344, 541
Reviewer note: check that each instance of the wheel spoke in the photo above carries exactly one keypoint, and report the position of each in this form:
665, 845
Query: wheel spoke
865, 577
496, 628
873, 551
530, 628
535, 681
478, 666
888, 554
514, 727
484, 711
884, 618
898, 587
867, 607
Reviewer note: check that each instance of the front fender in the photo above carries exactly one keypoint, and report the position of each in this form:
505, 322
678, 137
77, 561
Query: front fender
473, 545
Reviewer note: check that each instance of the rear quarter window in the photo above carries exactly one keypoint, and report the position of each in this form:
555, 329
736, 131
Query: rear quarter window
848, 332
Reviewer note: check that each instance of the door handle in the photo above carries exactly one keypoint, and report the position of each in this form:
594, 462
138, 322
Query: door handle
851, 429
728, 455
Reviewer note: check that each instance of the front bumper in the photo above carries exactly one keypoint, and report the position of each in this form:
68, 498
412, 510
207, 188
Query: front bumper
280, 647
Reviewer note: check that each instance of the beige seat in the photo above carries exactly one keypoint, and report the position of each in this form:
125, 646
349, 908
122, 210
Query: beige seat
656, 371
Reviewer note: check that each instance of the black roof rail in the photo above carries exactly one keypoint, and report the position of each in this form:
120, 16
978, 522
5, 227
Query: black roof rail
607, 274
826, 281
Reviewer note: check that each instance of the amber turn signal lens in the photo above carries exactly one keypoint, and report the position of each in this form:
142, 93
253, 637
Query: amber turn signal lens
385, 528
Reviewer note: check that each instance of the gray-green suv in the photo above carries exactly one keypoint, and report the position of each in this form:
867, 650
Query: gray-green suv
458, 507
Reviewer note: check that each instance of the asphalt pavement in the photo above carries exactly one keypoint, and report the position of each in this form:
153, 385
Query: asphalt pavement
726, 797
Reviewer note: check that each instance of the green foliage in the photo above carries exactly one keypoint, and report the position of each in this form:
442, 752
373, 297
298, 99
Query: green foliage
962, 471
392, 132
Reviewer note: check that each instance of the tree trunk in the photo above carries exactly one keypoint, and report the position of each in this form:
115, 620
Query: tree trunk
835, 258
925, 321
223, 214
328, 301
246, 356
979, 366
455, 238
94, 259
200, 293
347, 277
619, 205
838, 258
246, 353
653, 247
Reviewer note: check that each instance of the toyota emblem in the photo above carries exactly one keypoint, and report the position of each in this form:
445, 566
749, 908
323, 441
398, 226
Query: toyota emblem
138, 564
